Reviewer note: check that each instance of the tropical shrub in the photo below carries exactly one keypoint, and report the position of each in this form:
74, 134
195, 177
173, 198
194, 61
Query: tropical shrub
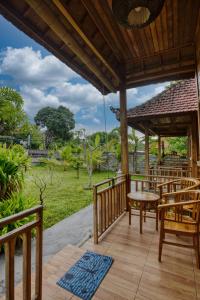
13, 162
15, 204
72, 156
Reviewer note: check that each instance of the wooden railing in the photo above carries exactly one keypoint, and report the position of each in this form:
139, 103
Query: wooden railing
8, 241
148, 182
171, 171
110, 202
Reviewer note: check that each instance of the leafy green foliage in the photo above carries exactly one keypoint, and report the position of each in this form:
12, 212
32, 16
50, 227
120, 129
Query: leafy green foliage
177, 145
36, 136
58, 121
13, 162
94, 156
153, 145
11, 110
135, 142
15, 204
72, 156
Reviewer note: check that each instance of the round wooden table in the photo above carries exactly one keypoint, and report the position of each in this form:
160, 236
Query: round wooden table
143, 199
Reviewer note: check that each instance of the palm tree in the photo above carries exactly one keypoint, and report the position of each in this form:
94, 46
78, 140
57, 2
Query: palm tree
134, 143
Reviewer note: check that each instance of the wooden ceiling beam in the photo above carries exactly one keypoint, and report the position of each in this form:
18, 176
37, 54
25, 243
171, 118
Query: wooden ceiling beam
112, 26
177, 73
165, 52
146, 125
89, 6
175, 66
170, 124
52, 21
80, 32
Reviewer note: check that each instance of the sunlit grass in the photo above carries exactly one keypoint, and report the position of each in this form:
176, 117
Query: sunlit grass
63, 196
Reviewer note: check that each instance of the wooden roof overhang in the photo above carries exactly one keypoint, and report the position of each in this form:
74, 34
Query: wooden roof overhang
170, 113
176, 124
85, 35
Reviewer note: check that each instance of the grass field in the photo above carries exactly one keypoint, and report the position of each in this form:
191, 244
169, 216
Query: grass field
64, 195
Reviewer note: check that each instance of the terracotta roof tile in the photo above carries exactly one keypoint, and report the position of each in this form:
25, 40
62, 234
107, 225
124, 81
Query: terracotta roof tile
181, 97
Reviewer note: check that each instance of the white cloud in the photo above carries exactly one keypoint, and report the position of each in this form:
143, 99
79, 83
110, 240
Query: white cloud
45, 81
28, 67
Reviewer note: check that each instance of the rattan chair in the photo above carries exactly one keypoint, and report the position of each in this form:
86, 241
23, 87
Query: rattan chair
181, 218
181, 184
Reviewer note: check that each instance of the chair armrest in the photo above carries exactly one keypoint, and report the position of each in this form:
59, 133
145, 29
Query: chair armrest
164, 206
182, 192
175, 193
167, 182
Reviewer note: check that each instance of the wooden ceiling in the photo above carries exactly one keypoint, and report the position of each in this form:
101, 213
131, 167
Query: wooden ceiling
85, 36
176, 124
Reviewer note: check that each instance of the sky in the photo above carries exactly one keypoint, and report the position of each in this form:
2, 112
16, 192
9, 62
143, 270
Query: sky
43, 80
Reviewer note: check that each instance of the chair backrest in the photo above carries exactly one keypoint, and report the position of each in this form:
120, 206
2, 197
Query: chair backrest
192, 210
181, 184
187, 183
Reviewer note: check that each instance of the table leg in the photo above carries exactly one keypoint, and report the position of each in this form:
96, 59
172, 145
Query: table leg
129, 213
141, 216
144, 207
157, 216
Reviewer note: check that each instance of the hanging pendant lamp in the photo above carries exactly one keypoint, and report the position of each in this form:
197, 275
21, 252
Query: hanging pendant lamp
136, 13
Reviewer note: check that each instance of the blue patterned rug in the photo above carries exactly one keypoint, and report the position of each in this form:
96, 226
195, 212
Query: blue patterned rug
85, 276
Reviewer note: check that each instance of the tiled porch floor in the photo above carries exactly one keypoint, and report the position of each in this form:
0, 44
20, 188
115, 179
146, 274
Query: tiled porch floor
136, 272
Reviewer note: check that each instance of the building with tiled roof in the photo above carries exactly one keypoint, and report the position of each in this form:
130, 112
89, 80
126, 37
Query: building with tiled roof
169, 113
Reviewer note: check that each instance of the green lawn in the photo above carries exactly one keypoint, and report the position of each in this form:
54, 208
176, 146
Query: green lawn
65, 195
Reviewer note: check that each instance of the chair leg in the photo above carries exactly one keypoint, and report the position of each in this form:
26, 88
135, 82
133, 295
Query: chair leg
129, 214
157, 218
160, 244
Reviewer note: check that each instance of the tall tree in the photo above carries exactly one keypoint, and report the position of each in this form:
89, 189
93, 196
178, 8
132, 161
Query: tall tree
58, 123
135, 143
11, 110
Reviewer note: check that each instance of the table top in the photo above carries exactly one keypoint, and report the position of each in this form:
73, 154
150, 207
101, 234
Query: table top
143, 196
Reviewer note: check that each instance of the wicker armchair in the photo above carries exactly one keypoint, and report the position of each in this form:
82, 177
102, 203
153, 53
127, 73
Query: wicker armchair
181, 218
181, 184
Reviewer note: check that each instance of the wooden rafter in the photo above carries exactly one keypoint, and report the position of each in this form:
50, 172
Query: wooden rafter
75, 25
85, 35
88, 4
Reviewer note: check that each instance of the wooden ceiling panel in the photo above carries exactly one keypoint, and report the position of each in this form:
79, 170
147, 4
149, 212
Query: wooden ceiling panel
96, 45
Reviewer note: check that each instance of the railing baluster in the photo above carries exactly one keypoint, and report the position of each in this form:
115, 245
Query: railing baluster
99, 214
10, 269
38, 271
105, 210
27, 265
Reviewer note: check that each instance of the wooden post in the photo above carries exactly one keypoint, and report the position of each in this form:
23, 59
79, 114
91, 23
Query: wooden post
163, 148
198, 85
146, 151
159, 150
189, 144
194, 152
95, 215
123, 130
